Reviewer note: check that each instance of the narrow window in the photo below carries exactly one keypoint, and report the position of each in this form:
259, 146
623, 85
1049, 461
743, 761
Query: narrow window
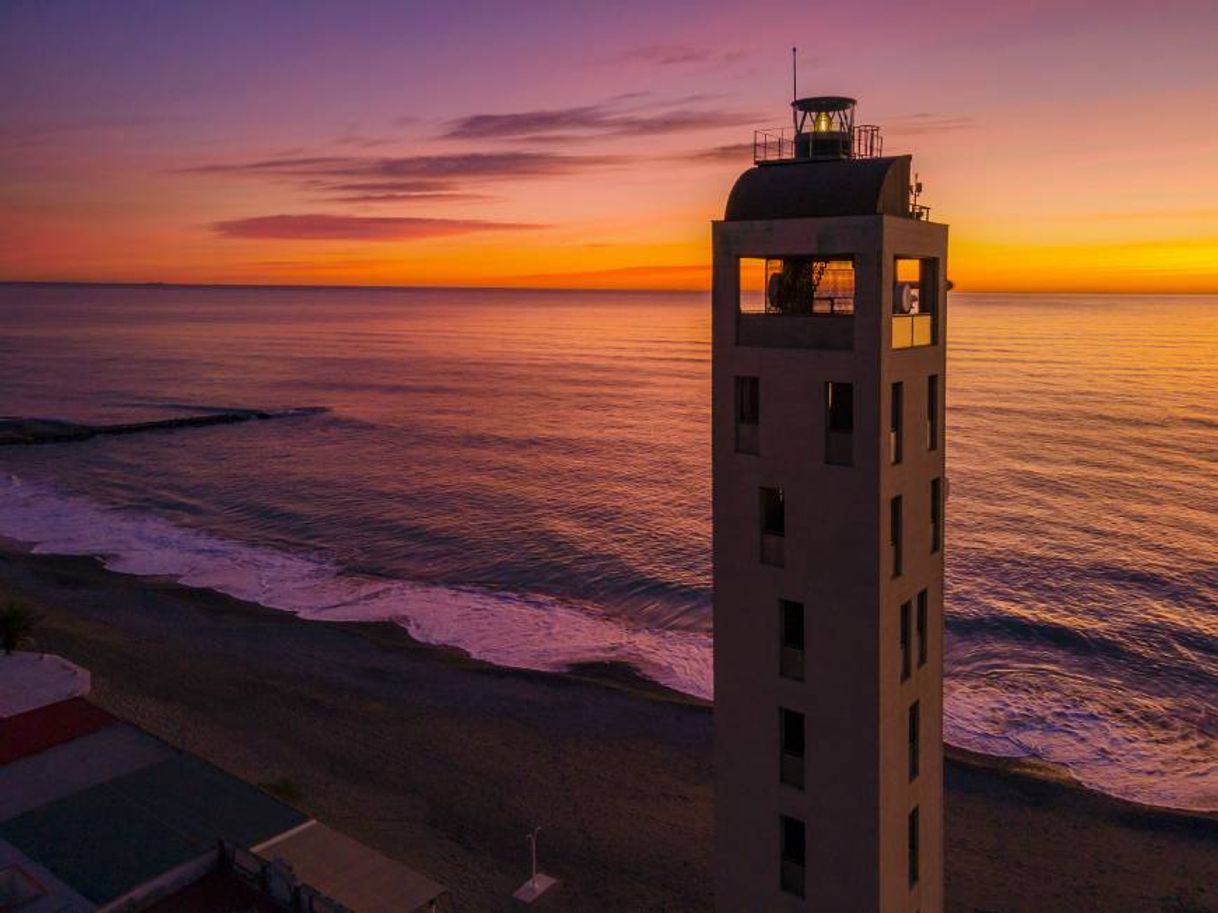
914, 737
922, 633
773, 526
748, 413
839, 423
932, 412
905, 610
895, 442
791, 621
913, 847
791, 735
793, 852
936, 514
894, 534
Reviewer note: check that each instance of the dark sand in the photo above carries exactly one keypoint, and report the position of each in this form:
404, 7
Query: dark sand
445, 763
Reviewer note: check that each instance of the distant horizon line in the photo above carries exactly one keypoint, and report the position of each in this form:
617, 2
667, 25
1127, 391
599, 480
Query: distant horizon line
512, 288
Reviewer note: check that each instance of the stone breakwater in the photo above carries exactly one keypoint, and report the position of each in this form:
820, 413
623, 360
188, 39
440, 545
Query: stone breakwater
28, 431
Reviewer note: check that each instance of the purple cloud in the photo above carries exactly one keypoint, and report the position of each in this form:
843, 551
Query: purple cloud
380, 179
587, 121
467, 165
733, 152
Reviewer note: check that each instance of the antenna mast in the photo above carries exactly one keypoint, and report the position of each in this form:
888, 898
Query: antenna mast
794, 87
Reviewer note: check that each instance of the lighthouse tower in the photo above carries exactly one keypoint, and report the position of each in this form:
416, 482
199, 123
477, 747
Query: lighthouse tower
828, 450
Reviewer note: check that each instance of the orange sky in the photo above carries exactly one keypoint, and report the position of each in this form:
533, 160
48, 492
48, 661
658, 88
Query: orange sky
371, 143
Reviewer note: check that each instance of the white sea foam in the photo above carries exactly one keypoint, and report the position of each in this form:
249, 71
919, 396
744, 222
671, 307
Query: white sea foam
1147, 752
508, 629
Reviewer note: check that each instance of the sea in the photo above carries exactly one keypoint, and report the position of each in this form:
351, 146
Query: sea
524, 475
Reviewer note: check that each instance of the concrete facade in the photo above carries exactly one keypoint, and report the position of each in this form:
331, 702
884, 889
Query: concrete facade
854, 698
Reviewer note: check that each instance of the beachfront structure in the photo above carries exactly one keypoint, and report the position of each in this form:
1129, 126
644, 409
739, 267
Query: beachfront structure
828, 468
97, 815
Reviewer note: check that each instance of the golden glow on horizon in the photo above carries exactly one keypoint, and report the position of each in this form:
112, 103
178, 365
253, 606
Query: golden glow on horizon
306, 178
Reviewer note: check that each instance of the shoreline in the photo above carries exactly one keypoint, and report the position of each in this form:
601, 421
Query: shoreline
445, 761
616, 675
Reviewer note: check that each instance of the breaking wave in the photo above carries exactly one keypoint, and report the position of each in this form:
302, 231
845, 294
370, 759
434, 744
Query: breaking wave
516, 630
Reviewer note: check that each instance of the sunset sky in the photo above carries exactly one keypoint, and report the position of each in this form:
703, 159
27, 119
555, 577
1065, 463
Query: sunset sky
1070, 145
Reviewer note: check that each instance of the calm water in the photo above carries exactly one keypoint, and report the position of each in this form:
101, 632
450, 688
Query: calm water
526, 475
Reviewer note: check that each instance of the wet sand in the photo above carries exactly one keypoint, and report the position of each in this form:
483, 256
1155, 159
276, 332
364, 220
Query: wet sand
445, 763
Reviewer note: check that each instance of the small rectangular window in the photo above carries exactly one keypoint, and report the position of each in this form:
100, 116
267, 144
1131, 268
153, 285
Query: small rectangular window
914, 738
894, 534
791, 659
791, 760
932, 412
922, 632
839, 423
773, 512
748, 414
793, 853
936, 514
747, 400
773, 526
895, 442
913, 847
905, 611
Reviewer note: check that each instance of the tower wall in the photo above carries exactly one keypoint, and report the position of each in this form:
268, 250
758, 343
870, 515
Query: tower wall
856, 794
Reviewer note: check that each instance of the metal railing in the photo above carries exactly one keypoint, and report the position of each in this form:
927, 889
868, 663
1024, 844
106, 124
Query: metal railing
777, 144
277, 882
868, 141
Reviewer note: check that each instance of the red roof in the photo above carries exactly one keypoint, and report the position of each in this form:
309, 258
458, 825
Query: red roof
37, 730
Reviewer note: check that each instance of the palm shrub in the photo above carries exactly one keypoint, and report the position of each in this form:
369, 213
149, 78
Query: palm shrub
16, 627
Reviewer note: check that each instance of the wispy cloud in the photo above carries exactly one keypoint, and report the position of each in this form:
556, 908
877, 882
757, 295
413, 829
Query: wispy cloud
732, 152
926, 122
673, 55
17, 135
329, 227
417, 178
587, 121
510, 163
411, 197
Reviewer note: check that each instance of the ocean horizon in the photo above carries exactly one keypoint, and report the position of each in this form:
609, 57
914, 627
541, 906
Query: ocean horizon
524, 474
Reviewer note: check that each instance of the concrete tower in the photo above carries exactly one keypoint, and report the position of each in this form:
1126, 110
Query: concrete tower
828, 382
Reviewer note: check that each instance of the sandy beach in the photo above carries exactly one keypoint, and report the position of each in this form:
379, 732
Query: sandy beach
445, 763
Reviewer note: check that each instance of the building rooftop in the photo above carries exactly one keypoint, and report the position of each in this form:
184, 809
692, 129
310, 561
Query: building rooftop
349, 872
95, 813
32, 680
70, 766
804, 189
37, 730
27, 887
110, 838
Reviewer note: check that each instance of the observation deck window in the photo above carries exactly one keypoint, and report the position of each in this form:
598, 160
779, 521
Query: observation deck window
797, 302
